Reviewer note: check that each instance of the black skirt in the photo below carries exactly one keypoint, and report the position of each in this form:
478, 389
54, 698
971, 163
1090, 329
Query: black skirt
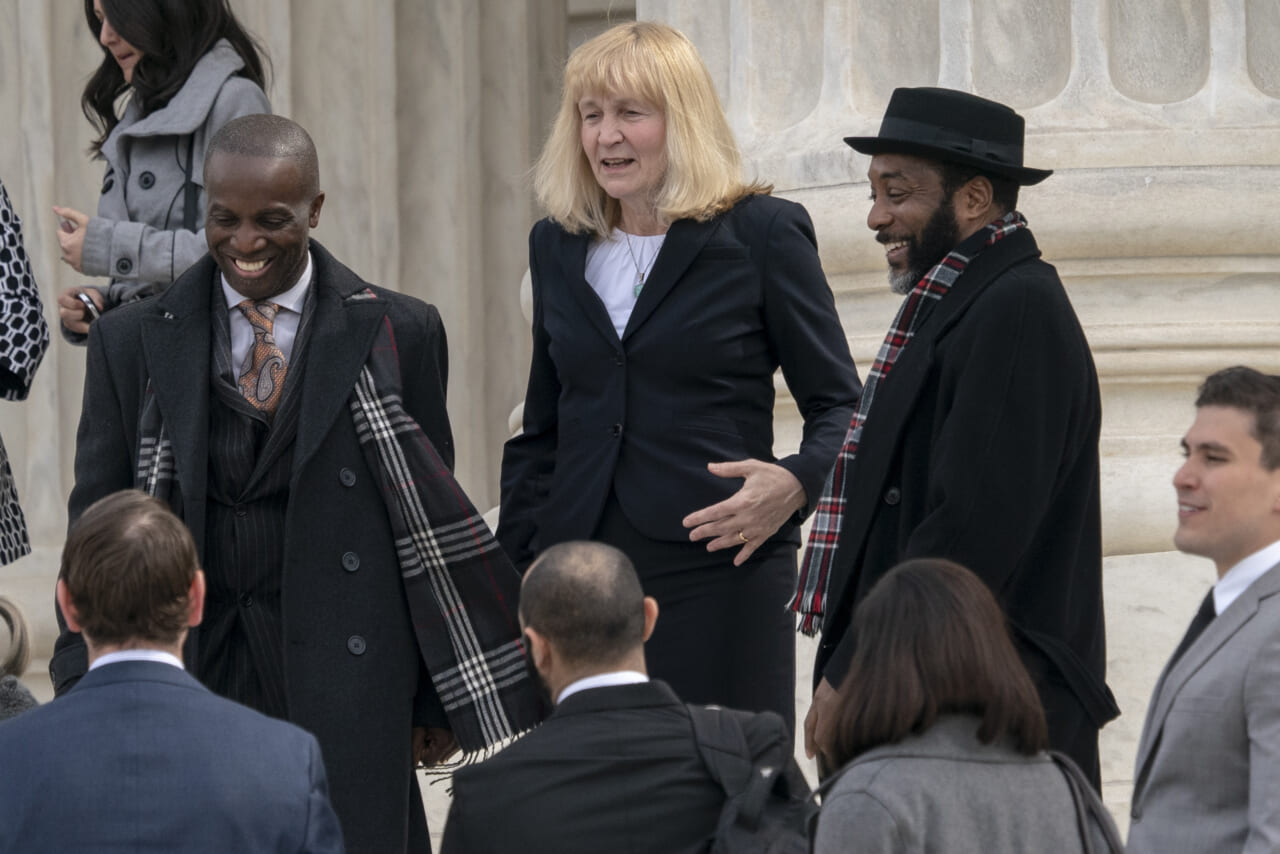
724, 634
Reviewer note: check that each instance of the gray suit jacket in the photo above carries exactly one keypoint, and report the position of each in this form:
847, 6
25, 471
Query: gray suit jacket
1207, 776
944, 792
139, 756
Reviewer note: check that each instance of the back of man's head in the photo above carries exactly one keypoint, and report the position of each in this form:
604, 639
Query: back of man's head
586, 600
1254, 392
128, 568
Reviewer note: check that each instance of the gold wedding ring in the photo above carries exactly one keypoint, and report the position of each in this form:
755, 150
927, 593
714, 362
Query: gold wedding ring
743, 537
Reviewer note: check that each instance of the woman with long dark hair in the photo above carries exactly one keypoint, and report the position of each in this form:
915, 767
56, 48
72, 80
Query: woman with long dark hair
942, 735
188, 67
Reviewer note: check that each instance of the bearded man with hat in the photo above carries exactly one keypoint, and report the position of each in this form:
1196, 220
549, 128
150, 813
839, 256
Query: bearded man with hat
976, 438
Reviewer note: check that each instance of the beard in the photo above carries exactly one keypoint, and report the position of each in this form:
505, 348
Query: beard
938, 237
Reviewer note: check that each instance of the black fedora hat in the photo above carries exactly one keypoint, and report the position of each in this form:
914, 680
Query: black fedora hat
955, 127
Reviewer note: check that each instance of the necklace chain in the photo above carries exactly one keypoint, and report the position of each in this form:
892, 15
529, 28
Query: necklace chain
640, 273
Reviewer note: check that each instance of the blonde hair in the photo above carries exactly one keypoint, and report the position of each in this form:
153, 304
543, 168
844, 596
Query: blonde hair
656, 63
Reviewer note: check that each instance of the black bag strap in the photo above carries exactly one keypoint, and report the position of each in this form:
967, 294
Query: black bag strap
1089, 809
723, 747
189, 188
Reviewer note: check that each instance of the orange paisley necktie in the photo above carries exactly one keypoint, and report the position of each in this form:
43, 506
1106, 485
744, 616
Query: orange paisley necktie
263, 380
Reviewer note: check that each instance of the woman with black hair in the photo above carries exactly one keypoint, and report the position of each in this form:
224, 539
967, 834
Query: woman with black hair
188, 67
942, 734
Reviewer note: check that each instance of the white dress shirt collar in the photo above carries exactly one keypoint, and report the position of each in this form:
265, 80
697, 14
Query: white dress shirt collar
602, 680
1240, 576
136, 655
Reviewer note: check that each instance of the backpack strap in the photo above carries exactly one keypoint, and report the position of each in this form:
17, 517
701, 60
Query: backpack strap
723, 747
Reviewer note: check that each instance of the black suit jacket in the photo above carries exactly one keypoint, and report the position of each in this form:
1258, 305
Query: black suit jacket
982, 447
613, 769
690, 382
139, 756
341, 578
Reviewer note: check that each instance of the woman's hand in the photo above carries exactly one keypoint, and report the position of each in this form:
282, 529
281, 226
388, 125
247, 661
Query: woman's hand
71, 309
71, 236
769, 496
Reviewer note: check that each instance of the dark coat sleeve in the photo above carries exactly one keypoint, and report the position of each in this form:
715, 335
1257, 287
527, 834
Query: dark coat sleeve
105, 443
810, 345
528, 459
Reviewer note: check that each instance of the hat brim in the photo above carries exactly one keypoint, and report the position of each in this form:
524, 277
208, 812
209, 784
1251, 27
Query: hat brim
1023, 175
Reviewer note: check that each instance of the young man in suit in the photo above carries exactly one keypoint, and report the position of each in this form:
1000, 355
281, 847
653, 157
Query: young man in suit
139, 755
1207, 777
976, 438
293, 416
616, 766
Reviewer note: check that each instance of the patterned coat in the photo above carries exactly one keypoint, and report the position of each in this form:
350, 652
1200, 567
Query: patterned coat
23, 340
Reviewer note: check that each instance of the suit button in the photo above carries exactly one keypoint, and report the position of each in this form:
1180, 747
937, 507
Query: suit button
124, 266
246, 600
355, 645
618, 360
1135, 813
616, 430
146, 180
892, 495
347, 477
240, 511
350, 561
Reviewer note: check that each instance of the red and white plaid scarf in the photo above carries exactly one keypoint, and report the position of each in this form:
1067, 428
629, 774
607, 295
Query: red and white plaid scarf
815, 570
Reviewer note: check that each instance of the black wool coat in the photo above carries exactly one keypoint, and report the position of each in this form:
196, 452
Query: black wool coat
981, 446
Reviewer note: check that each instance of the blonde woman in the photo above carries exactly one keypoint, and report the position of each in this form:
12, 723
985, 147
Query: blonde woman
667, 290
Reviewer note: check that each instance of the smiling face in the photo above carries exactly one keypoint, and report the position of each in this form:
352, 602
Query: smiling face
126, 54
1228, 501
911, 215
261, 211
625, 141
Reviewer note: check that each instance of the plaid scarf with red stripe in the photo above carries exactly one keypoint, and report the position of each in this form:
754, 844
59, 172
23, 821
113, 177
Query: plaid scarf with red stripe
461, 588
810, 598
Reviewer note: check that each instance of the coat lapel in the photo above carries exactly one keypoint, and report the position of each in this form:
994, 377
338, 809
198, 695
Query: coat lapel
571, 251
175, 340
685, 240
341, 334
1215, 635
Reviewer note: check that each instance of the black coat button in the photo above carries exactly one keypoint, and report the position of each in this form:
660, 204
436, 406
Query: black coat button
146, 180
246, 600
241, 511
124, 266
618, 360
350, 561
347, 477
355, 645
616, 430
892, 495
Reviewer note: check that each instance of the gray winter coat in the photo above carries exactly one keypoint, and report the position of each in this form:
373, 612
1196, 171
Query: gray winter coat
137, 238
944, 792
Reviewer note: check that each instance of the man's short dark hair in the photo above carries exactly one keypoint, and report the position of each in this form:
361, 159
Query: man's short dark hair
931, 640
1254, 392
267, 135
128, 566
585, 598
1004, 192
